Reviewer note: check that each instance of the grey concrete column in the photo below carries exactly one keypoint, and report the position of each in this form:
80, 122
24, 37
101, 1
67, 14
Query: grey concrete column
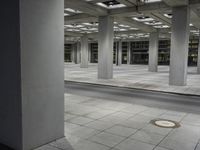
84, 51
32, 73
89, 52
78, 53
129, 53
119, 55
179, 46
105, 50
198, 59
153, 51
73, 55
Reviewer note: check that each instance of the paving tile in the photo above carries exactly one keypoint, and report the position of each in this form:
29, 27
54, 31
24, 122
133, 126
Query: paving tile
89, 145
84, 132
154, 129
147, 137
121, 131
177, 144
133, 124
62, 144
100, 125
160, 148
81, 120
129, 144
107, 139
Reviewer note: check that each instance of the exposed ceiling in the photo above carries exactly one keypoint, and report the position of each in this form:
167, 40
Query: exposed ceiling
133, 18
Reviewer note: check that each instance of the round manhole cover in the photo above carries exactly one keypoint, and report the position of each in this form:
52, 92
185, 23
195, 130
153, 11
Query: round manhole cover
163, 123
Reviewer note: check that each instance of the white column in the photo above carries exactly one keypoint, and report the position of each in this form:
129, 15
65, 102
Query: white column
129, 53
105, 49
73, 55
153, 51
198, 62
89, 52
84, 52
32, 77
179, 46
119, 58
78, 53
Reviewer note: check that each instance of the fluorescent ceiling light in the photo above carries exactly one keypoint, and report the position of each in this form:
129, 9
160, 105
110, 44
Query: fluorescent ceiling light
122, 25
134, 29
122, 29
143, 19
161, 26
153, 23
73, 10
152, 1
111, 6
168, 15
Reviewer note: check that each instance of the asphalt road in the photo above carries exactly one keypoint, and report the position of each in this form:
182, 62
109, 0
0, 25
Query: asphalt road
183, 103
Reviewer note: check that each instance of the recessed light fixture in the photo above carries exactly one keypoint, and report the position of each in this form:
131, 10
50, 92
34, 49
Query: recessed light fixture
168, 15
153, 23
111, 4
161, 26
73, 10
125, 26
143, 19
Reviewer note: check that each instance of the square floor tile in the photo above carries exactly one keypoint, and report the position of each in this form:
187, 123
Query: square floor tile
121, 130
107, 139
134, 145
147, 137
80, 120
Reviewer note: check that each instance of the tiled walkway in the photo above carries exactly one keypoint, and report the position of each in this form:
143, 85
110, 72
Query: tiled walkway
135, 76
98, 124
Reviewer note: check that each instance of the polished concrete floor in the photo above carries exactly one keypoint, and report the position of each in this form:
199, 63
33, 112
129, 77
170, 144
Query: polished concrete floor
104, 124
135, 76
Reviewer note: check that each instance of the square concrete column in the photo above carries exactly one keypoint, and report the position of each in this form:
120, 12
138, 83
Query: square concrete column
119, 53
73, 55
198, 59
179, 46
78, 53
153, 51
84, 51
89, 52
105, 50
32, 72
129, 53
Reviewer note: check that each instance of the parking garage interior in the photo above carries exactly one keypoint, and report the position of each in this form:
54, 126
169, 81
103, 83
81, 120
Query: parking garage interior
100, 75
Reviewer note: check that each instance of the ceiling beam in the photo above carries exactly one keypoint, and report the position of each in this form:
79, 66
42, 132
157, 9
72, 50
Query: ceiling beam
174, 3
147, 8
79, 18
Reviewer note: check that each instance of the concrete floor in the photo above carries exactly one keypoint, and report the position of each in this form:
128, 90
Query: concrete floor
135, 76
100, 124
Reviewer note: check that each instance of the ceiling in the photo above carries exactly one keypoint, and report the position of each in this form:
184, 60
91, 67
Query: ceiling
134, 19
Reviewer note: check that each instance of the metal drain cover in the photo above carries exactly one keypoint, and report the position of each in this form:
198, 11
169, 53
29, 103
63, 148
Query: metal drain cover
163, 123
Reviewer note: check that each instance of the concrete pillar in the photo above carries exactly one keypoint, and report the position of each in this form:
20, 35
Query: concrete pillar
78, 53
105, 50
116, 52
32, 73
179, 46
153, 52
73, 55
84, 51
89, 52
119, 55
198, 62
129, 53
